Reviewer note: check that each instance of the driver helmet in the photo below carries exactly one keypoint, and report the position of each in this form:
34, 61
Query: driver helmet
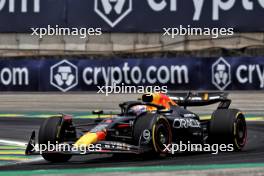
138, 109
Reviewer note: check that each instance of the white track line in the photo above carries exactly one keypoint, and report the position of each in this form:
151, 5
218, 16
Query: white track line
22, 144
12, 142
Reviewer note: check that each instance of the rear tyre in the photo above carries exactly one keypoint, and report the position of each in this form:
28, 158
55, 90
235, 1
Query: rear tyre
228, 126
53, 131
156, 129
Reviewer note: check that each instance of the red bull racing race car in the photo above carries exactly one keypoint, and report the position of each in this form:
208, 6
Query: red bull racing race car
145, 126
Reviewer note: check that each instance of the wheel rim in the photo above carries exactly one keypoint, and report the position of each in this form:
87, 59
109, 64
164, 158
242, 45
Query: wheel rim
241, 131
162, 136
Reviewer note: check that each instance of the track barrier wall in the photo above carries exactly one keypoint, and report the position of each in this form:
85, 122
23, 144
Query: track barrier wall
86, 74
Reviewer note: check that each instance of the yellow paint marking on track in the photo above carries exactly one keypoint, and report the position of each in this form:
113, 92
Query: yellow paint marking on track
207, 117
255, 119
44, 115
12, 147
7, 158
12, 152
12, 115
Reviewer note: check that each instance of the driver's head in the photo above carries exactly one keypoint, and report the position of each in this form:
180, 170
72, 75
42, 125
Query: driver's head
138, 109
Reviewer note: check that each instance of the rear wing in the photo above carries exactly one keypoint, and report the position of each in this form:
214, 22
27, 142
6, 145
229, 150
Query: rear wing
201, 99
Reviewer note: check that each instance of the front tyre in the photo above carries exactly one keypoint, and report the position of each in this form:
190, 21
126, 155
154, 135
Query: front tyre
155, 129
52, 131
161, 134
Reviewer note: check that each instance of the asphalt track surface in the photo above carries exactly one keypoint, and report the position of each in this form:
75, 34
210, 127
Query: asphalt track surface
80, 102
19, 129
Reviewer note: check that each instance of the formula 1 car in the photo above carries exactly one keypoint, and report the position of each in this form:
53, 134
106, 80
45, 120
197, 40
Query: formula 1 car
144, 126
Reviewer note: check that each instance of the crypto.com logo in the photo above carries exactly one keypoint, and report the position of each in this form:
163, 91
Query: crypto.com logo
113, 11
221, 74
64, 75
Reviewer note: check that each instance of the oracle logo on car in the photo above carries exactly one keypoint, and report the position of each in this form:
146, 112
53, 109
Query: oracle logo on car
186, 123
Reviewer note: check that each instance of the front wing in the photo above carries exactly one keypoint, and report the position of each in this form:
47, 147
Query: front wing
106, 147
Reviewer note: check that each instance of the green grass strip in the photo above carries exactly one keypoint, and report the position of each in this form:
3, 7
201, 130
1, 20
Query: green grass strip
133, 169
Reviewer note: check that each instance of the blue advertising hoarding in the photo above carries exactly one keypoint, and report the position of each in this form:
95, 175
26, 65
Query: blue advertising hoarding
85, 74
131, 15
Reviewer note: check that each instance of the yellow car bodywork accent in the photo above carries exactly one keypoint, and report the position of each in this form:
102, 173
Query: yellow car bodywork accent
87, 139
